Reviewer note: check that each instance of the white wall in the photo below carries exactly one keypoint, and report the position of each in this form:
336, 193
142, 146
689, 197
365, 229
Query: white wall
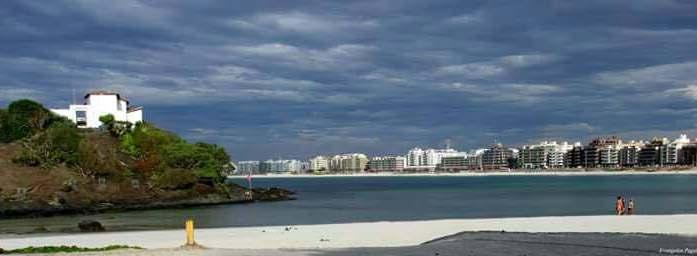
135, 116
99, 105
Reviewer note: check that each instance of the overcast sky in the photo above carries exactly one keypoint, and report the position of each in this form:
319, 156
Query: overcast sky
291, 79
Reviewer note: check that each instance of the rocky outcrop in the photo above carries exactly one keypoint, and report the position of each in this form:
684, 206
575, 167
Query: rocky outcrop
273, 194
90, 226
27, 208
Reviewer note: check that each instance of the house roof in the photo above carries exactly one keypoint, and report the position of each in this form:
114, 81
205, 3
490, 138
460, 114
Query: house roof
106, 93
134, 108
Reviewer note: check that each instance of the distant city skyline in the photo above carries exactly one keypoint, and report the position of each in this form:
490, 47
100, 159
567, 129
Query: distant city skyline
293, 79
608, 152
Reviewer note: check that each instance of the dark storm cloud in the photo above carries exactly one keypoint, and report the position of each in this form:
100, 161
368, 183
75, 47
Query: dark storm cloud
295, 78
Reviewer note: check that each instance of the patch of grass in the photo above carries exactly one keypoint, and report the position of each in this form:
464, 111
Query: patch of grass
66, 249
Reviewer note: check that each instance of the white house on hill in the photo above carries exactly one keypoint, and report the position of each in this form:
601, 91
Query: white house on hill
98, 104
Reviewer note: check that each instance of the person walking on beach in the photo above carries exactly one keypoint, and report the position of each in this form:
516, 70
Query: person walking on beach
619, 205
630, 207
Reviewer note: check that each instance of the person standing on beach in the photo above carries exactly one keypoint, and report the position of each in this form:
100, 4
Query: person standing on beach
630, 207
619, 205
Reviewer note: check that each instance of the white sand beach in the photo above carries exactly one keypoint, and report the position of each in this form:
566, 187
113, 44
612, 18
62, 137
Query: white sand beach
354, 235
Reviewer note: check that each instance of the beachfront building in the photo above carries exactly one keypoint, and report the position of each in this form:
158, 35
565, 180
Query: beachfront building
671, 150
602, 145
247, 167
319, 163
533, 157
460, 163
575, 157
387, 164
466, 162
543, 155
97, 104
304, 166
283, 166
629, 153
688, 155
452, 164
416, 157
608, 156
557, 157
497, 157
348, 163
650, 154
428, 159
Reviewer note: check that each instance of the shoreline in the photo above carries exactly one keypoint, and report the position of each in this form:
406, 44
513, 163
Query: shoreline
260, 195
361, 235
477, 174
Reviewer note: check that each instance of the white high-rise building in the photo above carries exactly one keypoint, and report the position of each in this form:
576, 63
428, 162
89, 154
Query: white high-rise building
415, 157
353, 162
319, 163
98, 104
247, 167
609, 156
547, 154
418, 158
283, 166
672, 150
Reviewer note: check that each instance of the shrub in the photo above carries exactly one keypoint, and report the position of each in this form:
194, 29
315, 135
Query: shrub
218, 153
3, 119
107, 120
27, 158
24, 118
156, 150
68, 249
115, 128
147, 139
99, 159
128, 145
148, 165
176, 179
120, 128
59, 144
30, 113
207, 160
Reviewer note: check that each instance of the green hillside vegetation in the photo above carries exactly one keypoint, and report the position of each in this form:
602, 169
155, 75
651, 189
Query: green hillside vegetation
143, 151
49, 167
67, 249
24, 118
46, 162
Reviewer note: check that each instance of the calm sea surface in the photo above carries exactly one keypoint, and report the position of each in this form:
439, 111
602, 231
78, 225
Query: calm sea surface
363, 199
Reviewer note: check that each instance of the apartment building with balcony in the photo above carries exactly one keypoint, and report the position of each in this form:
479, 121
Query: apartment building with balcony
387, 164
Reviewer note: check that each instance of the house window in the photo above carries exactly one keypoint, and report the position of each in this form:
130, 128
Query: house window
81, 118
118, 105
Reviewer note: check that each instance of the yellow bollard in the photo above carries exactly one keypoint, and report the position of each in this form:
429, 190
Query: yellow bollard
190, 233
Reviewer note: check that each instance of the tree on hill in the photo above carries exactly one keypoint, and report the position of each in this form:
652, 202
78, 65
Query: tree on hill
24, 118
3, 126
156, 150
206, 160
